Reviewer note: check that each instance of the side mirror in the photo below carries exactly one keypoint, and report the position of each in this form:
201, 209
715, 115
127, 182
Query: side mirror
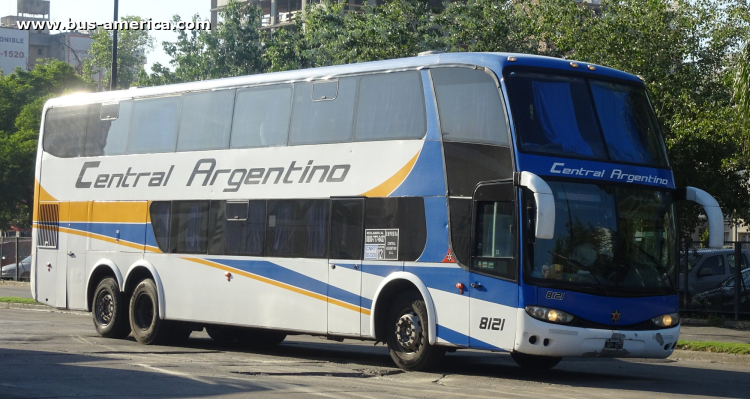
706, 272
713, 213
545, 203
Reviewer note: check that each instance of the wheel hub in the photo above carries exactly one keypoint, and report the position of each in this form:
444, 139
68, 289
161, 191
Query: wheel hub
104, 308
409, 331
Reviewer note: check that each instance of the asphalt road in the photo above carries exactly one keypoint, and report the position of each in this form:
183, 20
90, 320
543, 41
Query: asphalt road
46, 354
19, 290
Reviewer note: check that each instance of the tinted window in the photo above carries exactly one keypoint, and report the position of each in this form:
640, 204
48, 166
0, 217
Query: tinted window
405, 214
189, 230
261, 116
206, 120
554, 114
154, 127
390, 106
323, 120
470, 106
237, 227
628, 123
715, 263
495, 239
108, 128
297, 228
64, 131
160, 216
460, 212
346, 228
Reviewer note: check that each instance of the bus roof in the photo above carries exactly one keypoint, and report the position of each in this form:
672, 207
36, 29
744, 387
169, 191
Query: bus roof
495, 61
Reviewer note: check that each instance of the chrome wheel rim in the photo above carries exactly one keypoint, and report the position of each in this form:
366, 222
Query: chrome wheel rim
409, 331
105, 308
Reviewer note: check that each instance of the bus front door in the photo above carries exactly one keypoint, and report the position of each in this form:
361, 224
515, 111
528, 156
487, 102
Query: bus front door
494, 267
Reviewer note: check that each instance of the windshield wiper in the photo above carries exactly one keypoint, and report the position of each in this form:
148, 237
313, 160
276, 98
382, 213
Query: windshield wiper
656, 262
584, 267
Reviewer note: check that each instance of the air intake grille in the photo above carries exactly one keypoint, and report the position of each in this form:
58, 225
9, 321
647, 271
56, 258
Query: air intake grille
48, 226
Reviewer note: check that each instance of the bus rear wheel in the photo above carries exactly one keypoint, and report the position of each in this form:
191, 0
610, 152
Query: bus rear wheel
407, 334
109, 310
148, 328
535, 362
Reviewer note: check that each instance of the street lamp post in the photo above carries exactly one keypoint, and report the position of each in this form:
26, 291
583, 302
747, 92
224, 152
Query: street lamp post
113, 78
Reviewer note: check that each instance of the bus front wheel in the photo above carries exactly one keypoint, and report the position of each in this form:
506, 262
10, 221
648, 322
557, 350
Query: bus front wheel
148, 328
109, 310
535, 362
407, 334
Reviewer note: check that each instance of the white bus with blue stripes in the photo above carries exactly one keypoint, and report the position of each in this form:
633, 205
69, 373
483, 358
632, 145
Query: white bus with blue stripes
503, 202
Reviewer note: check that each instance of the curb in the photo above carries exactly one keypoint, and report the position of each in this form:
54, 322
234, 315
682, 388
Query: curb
726, 358
739, 325
39, 308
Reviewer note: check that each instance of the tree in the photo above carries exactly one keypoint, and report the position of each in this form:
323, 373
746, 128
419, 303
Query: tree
22, 98
132, 45
232, 48
742, 87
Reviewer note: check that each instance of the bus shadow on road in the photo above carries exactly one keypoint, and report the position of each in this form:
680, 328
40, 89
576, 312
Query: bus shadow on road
29, 373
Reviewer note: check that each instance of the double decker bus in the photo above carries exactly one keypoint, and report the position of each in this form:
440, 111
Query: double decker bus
503, 202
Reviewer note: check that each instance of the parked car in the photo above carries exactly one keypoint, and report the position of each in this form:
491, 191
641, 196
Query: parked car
24, 271
723, 297
708, 268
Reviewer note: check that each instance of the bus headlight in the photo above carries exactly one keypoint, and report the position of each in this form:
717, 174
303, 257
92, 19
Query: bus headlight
667, 320
547, 314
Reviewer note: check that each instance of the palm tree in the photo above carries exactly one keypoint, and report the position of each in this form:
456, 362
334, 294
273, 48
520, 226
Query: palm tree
742, 87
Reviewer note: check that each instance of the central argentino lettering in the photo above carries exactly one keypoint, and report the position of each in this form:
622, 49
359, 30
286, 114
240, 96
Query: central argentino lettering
106, 180
206, 173
616, 174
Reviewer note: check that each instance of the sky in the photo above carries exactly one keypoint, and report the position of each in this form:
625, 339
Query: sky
103, 11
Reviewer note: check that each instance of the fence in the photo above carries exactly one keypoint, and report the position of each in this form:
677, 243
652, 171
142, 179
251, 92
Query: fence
712, 281
13, 254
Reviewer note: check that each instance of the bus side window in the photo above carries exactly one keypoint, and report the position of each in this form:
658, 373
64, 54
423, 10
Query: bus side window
406, 214
390, 106
154, 127
189, 227
470, 106
261, 116
161, 212
108, 128
297, 228
346, 228
237, 227
65, 130
205, 120
322, 120
495, 239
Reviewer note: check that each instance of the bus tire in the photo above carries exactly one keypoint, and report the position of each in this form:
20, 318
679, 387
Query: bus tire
145, 323
407, 336
109, 310
535, 362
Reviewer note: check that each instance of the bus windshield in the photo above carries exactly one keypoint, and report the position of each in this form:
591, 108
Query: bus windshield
615, 240
585, 118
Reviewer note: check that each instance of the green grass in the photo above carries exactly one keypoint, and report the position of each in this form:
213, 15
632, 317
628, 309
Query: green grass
13, 299
715, 347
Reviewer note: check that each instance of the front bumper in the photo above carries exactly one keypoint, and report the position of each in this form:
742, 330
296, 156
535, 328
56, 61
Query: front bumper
535, 337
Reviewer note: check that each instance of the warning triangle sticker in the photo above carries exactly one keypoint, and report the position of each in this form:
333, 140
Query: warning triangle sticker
449, 258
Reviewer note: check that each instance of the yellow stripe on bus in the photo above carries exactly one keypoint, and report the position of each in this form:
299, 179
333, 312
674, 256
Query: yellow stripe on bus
393, 182
280, 285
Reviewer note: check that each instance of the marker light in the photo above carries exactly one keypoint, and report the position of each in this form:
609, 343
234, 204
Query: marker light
667, 320
512, 59
592, 68
574, 64
547, 314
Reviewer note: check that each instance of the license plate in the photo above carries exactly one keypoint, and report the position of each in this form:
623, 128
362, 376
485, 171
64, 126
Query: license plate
613, 344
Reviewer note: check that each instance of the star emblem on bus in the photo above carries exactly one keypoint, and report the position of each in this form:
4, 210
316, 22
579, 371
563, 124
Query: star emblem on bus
615, 316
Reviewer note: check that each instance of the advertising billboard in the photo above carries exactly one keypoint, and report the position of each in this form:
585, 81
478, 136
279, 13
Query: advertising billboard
78, 50
14, 49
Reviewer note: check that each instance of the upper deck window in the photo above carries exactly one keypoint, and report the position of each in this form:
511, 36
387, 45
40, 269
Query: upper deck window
585, 118
470, 106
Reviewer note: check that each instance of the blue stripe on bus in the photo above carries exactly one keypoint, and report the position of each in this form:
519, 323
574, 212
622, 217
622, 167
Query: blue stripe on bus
436, 215
433, 131
381, 270
441, 278
131, 232
427, 177
456, 338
